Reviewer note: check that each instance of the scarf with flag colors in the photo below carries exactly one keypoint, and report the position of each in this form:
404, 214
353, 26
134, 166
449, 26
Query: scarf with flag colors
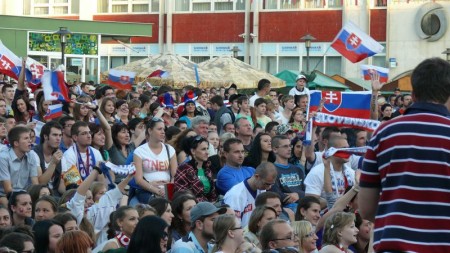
54, 86
354, 44
120, 79
344, 152
368, 70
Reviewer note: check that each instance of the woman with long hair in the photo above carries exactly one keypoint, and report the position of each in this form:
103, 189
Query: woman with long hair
195, 175
307, 236
122, 146
163, 209
261, 151
108, 108
308, 209
67, 220
339, 233
98, 140
177, 143
23, 110
228, 233
122, 111
20, 207
68, 107
298, 157
181, 224
47, 234
42, 108
155, 162
190, 111
75, 242
125, 219
260, 216
150, 235
297, 120
82, 111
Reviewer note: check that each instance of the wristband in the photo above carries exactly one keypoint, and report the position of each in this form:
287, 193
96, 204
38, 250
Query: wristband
97, 169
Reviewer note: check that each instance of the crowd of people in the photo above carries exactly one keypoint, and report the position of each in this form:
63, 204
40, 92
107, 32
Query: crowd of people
213, 170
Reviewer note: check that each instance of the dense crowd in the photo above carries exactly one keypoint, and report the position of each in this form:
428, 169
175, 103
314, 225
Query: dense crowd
191, 170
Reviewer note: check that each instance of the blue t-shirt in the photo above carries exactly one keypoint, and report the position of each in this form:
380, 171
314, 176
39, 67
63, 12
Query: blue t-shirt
230, 176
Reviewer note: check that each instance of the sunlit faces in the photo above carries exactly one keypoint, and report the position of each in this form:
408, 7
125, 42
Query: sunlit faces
213, 138
9, 94
190, 107
123, 137
71, 226
129, 222
301, 83
200, 153
245, 106
10, 123
54, 138
261, 109
54, 235
229, 128
207, 228
299, 116
99, 138
387, 112
203, 99
266, 145
275, 203
308, 242
212, 128
83, 137
84, 110
109, 107
348, 234
237, 232
303, 103
186, 213
3, 130
23, 206
168, 215
2, 107
99, 194
89, 201
365, 229
244, 127
289, 104
43, 211
283, 149
202, 129
285, 236
312, 214
235, 156
157, 133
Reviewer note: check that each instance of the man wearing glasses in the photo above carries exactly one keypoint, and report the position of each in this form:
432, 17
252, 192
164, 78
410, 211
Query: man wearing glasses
241, 197
277, 234
81, 154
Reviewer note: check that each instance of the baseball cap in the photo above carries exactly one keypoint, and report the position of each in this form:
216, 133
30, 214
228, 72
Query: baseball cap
301, 77
91, 87
205, 209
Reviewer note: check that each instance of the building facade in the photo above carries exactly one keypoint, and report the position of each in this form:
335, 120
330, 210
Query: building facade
267, 32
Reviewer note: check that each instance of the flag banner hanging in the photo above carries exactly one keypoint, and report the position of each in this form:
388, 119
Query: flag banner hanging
354, 44
368, 70
122, 80
54, 86
324, 119
354, 104
344, 152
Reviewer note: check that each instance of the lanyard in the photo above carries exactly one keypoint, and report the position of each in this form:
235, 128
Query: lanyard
336, 179
84, 169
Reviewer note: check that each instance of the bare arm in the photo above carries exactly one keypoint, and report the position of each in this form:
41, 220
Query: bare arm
309, 149
105, 126
21, 80
368, 202
139, 177
86, 184
45, 177
376, 86
7, 186
173, 167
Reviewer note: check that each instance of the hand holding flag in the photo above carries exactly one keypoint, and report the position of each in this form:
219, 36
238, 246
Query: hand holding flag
371, 72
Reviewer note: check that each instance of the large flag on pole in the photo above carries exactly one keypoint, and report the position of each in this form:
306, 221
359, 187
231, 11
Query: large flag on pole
354, 44
354, 104
10, 64
120, 79
368, 70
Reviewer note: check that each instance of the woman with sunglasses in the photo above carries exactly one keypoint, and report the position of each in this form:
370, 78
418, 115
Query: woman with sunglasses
155, 162
307, 236
195, 175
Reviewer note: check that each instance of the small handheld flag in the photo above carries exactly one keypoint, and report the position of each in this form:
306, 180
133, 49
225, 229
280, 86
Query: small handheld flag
120, 79
54, 111
159, 73
54, 86
354, 44
368, 70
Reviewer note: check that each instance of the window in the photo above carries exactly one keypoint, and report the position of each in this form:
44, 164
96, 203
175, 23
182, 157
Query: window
333, 65
269, 64
310, 4
102, 6
198, 59
140, 8
270, 4
313, 62
288, 63
60, 10
223, 6
240, 5
155, 5
201, 6
51, 7
104, 64
41, 10
379, 60
137, 58
290, 4
118, 61
119, 8
182, 5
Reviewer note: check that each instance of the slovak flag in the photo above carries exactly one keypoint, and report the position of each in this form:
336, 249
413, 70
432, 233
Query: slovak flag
120, 79
354, 44
34, 73
368, 70
54, 86
159, 73
355, 104
54, 111
10, 64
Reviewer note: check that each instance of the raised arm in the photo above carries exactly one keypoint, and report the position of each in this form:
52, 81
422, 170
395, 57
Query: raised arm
104, 124
21, 81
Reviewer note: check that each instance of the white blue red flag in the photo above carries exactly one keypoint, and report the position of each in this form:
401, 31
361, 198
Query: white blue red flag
34, 72
159, 73
355, 104
54, 111
120, 79
54, 86
10, 64
354, 44
369, 70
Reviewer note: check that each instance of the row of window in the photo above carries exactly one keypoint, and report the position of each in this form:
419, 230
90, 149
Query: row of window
57, 7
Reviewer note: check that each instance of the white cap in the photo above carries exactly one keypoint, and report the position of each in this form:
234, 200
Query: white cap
301, 77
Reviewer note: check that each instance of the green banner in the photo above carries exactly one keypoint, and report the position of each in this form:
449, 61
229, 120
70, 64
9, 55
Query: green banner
86, 44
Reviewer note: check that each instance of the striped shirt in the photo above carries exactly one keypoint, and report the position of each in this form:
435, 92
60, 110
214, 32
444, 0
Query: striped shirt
409, 160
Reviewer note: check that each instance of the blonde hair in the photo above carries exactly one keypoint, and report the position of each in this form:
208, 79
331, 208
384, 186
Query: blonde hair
74, 242
96, 187
302, 229
333, 225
